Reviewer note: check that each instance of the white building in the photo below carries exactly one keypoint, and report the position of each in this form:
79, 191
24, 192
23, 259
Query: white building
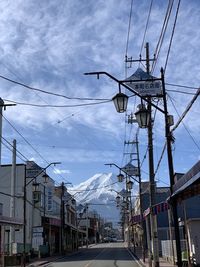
41, 212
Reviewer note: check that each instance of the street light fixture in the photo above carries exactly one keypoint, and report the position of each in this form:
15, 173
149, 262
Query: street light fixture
129, 185
120, 101
46, 178
36, 186
120, 177
169, 139
118, 199
142, 116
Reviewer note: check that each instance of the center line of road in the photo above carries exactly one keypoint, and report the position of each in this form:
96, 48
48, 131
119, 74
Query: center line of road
89, 263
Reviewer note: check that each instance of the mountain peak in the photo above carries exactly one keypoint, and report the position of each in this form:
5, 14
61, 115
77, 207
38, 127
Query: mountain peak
99, 192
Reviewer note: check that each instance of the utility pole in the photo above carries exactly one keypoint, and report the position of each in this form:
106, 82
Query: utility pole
12, 199
62, 217
120, 101
2, 105
153, 221
24, 220
1, 109
153, 234
140, 196
173, 203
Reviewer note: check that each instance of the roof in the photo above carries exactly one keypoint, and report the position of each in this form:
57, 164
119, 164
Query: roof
139, 74
189, 184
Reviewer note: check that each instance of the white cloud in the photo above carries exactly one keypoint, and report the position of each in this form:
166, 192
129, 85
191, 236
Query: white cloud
59, 171
50, 44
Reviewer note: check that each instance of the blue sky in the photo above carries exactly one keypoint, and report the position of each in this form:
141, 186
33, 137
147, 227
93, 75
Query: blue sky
50, 44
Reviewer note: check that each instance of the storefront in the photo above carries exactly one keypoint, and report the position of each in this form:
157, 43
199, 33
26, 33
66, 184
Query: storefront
6, 221
52, 234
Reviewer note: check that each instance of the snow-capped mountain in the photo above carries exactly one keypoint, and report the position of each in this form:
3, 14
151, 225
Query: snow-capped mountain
100, 193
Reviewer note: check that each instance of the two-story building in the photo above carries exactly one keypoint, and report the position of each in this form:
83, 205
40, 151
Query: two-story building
31, 197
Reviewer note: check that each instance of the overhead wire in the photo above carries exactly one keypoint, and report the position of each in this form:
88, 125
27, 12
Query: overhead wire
50, 93
181, 119
24, 139
129, 27
29, 144
18, 152
186, 110
180, 92
172, 35
93, 189
178, 123
182, 86
162, 34
147, 23
56, 106
126, 56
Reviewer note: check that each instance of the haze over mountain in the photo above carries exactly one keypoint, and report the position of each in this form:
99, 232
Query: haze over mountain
100, 193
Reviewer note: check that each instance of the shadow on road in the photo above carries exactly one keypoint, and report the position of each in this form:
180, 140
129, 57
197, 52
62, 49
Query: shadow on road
99, 253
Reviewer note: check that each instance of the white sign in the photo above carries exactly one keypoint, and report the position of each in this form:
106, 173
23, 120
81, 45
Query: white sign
131, 169
38, 229
146, 88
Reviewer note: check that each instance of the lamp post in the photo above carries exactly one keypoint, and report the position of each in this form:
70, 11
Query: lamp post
24, 204
36, 188
129, 185
168, 136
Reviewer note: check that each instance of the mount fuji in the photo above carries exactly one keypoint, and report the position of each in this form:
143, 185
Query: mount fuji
100, 192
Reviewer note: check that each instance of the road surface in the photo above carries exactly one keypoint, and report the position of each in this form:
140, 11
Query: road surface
101, 255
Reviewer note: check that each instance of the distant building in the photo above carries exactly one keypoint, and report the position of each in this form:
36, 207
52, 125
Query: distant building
42, 213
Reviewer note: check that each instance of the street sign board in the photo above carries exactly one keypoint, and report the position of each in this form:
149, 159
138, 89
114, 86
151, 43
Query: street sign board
147, 88
38, 229
144, 84
130, 169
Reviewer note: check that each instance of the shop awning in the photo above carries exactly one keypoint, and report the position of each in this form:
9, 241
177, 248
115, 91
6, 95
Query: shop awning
10, 221
188, 185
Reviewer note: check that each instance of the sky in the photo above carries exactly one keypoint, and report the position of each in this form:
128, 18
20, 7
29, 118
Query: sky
49, 45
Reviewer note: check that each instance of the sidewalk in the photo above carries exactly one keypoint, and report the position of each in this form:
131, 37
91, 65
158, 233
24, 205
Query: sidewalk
43, 261
139, 255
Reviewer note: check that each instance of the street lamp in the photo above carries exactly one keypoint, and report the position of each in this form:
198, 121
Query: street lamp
24, 204
168, 135
142, 116
118, 199
129, 185
120, 102
120, 177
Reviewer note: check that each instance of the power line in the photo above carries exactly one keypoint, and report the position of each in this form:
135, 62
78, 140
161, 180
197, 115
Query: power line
30, 145
50, 93
129, 26
93, 189
145, 31
186, 111
182, 86
12, 150
181, 92
25, 139
172, 35
56, 106
181, 120
162, 34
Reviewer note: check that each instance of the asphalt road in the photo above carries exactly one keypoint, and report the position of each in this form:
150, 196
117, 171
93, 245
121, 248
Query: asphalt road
102, 255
